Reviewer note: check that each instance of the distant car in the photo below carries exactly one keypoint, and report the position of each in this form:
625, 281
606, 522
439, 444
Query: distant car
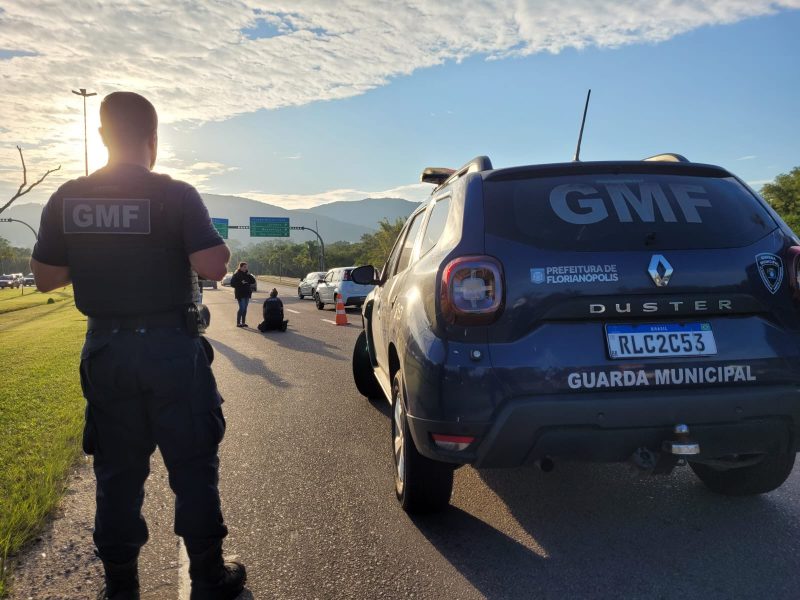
207, 283
226, 281
308, 286
9, 281
28, 279
337, 283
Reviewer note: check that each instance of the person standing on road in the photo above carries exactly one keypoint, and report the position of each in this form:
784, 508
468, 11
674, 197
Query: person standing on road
145, 371
242, 283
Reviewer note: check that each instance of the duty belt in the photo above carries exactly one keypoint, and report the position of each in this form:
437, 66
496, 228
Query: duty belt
167, 320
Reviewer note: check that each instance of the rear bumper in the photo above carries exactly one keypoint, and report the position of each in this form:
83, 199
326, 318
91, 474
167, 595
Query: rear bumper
610, 427
354, 300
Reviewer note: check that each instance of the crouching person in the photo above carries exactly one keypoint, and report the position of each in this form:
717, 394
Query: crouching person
273, 313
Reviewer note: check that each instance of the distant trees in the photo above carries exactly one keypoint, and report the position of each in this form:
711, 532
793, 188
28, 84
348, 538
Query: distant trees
784, 196
375, 247
13, 259
295, 260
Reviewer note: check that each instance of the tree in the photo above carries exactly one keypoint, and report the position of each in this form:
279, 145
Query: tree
13, 259
784, 196
375, 247
22, 189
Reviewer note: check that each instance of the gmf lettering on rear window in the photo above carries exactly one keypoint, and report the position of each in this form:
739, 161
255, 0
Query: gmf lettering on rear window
610, 212
649, 201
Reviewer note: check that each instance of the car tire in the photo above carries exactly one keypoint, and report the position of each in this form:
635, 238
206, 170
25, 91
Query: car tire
320, 304
363, 375
422, 485
300, 294
763, 477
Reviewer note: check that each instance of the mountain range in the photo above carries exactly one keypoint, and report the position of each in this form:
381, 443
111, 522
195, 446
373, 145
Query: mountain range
336, 221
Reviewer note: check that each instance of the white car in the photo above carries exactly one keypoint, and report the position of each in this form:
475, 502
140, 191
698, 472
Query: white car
308, 286
337, 283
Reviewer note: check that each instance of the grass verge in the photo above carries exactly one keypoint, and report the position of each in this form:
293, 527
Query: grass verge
290, 281
14, 299
41, 415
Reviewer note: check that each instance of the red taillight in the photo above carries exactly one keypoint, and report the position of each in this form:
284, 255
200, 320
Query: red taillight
472, 290
452, 442
793, 262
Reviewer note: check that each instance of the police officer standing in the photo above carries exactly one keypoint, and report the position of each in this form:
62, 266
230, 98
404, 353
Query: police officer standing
128, 240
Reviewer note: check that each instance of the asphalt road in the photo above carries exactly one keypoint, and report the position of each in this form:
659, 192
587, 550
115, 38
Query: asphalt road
307, 491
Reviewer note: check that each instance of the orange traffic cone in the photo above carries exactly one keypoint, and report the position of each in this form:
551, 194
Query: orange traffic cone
341, 315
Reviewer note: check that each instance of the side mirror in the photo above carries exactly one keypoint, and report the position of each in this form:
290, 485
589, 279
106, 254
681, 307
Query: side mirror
365, 275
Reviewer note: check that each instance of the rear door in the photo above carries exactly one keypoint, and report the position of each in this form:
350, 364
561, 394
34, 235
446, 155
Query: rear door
670, 277
325, 289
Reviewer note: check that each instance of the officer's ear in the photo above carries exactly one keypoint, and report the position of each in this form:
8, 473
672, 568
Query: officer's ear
102, 136
152, 144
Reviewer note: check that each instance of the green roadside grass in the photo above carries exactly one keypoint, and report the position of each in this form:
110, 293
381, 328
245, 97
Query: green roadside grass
41, 415
19, 299
290, 281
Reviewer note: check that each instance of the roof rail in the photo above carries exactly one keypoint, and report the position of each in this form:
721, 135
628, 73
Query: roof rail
436, 175
667, 157
479, 163
442, 175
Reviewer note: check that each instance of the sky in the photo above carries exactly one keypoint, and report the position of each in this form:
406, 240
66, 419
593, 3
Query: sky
308, 101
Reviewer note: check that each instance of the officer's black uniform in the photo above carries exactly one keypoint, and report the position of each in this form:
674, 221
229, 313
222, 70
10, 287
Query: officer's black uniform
125, 234
273, 315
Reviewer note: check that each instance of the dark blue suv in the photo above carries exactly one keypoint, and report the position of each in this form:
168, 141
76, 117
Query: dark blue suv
603, 311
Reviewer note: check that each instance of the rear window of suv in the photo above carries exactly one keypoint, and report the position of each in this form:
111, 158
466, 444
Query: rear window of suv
625, 212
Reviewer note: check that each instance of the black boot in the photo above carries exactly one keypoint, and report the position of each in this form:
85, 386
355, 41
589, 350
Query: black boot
213, 578
122, 581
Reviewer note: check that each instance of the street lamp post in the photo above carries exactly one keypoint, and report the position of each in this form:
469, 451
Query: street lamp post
35, 235
85, 95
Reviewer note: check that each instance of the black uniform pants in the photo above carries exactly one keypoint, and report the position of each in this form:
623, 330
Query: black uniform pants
148, 389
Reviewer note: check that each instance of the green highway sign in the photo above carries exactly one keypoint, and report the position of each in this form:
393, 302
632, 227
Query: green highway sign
269, 227
221, 225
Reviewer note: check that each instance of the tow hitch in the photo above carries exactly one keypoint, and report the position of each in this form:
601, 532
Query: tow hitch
681, 445
673, 453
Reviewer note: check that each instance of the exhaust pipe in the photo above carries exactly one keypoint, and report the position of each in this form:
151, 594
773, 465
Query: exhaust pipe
546, 464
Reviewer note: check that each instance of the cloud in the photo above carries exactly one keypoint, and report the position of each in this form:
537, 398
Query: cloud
759, 182
202, 61
416, 192
748, 157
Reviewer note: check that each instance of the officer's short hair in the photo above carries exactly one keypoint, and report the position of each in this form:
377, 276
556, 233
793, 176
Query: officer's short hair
127, 118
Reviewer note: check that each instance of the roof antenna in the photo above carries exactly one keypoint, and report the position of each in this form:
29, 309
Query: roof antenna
580, 135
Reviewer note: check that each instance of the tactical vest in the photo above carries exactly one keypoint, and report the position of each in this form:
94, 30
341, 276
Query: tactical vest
125, 245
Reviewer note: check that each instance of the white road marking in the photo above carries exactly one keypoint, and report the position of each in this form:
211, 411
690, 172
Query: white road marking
329, 321
184, 582
297, 312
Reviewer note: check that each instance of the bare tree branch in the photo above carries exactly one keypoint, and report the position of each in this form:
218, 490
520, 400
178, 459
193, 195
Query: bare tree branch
22, 190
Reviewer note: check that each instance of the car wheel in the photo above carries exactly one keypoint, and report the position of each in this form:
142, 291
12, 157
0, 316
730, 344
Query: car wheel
300, 294
320, 304
422, 485
363, 375
763, 477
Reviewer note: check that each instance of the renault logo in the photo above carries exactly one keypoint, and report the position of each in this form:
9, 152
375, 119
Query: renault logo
660, 270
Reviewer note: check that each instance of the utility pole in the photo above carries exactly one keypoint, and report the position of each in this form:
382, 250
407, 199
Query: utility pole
85, 95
